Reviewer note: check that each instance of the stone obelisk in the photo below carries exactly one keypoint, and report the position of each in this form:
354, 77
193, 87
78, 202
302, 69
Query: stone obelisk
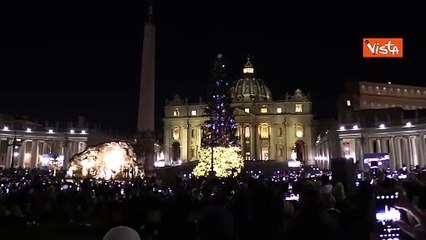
146, 113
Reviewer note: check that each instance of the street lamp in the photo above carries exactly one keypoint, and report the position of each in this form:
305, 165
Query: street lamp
15, 143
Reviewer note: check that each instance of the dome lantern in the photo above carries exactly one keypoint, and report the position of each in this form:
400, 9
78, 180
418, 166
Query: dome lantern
248, 67
249, 88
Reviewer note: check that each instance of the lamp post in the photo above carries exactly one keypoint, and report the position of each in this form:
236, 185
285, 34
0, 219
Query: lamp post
15, 143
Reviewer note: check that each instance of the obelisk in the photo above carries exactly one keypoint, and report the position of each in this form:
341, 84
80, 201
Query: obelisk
146, 115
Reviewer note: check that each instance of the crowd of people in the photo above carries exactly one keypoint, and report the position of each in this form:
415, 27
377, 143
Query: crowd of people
252, 206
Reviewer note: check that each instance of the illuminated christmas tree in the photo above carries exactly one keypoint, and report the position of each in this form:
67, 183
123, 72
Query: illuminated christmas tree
219, 145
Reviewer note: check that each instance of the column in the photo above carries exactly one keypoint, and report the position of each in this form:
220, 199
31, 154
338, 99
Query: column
257, 149
188, 142
21, 158
398, 152
9, 156
72, 148
44, 143
166, 147
66, 153
272, 141
34, 146
421, 151
423, 147
379, 145
359, 152
252, 141
392, 153
285, 141
199, 135
413, 150
383, 145
365, 145
84, 145
370, 145
240, 130
409, 153
184, 144
406, 152
327, 155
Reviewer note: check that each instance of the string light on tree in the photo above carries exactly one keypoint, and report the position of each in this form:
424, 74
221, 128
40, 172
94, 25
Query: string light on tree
220, 154
227, 162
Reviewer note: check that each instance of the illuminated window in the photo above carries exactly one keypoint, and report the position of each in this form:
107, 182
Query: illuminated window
194, 112
299, 130
248, 70
264, 110
264, 132
247, 132
176, 133
298, 107
176, 112
247, 110
279, 110
348, 103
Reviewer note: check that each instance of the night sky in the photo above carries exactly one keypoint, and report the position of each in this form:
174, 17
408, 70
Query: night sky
62, 60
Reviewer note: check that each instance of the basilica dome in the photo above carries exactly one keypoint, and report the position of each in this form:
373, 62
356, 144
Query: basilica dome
249, 88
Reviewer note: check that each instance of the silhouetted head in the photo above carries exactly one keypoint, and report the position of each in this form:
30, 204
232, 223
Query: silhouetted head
121, 233
215, 223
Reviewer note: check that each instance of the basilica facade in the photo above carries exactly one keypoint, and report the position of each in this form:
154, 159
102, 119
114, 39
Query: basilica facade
268, 129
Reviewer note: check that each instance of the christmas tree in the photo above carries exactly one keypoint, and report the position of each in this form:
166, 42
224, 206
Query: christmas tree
220, 153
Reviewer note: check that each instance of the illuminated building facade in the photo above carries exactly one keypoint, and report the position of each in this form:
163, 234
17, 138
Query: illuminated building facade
371, 95
267, 128
375, 118
31, 145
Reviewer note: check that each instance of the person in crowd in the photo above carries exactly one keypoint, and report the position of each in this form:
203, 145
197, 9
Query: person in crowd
121, 233
312, 221
416, 225
215, 223
247, 207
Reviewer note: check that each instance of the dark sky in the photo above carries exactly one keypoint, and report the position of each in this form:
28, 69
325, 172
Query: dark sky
66, 59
